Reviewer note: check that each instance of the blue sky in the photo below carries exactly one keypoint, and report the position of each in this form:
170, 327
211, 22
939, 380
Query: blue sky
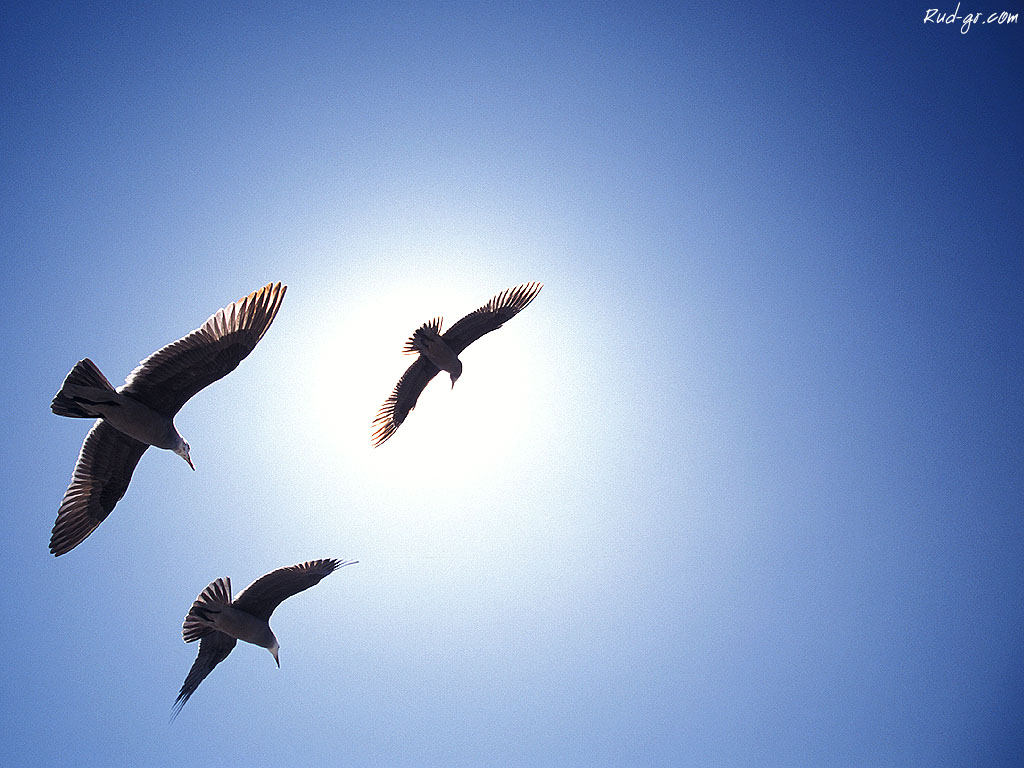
741, 487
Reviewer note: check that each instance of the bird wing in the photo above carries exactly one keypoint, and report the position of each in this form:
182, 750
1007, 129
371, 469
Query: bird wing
403, 399
266, 593
102, 473
170, 376
213, 649
491, 316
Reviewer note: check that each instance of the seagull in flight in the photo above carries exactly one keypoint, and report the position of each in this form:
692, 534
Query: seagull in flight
140, 413
218, 622
440, 352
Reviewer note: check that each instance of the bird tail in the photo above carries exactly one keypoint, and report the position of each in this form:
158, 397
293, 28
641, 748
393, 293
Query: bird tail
416, 342
210, 601
83, 389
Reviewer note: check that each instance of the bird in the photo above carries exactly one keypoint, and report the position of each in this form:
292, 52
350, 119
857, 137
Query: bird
140, 413
218, 622
440, 352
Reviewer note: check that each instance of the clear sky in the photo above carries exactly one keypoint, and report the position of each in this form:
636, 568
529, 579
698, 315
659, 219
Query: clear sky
743, 486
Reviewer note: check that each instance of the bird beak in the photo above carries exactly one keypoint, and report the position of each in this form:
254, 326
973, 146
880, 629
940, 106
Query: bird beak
277, 660
189, 460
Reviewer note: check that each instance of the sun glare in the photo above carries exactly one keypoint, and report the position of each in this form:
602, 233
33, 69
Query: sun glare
355, 360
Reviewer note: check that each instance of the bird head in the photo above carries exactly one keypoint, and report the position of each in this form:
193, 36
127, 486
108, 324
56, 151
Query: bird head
182, 450
456, 372
274, 648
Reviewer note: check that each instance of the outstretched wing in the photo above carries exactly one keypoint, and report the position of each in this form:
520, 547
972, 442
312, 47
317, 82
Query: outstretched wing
491, 316
403, 399
170, 376
102, 473
266, 593
213, 649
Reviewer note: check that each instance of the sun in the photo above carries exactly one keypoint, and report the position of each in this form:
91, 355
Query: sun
353, 360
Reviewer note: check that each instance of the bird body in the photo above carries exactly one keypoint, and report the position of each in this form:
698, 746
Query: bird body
86, 394
218, 622
242, 626
438, 352
140, 413
427, 341
135, 419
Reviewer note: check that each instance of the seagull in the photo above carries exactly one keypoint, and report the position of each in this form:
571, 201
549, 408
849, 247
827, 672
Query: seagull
440, 352
218, 622
140, 413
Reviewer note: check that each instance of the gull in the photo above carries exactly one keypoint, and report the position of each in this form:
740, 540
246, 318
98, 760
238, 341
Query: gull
140, 413
218, 622
440, 352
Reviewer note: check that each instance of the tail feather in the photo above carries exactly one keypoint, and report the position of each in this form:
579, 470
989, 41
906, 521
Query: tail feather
414, 345
210, 601
82, 389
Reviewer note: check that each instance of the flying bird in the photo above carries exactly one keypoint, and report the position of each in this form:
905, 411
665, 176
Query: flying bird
440, 352
140, 413
218, 622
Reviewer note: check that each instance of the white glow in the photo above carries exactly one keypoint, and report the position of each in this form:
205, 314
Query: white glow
354, 360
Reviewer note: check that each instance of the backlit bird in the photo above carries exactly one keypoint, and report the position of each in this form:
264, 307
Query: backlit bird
218, 622
140, 413
440, 352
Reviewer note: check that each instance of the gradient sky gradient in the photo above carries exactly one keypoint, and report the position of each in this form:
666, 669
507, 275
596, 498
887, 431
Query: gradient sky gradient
741, 487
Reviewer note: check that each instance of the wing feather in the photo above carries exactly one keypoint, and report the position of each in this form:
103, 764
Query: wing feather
491, 316
101, 476
170, 376
403, 399
213, 649
266, 593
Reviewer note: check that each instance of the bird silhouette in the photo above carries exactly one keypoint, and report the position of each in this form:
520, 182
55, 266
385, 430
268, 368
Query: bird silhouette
140, 413
218, 622
440, 352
